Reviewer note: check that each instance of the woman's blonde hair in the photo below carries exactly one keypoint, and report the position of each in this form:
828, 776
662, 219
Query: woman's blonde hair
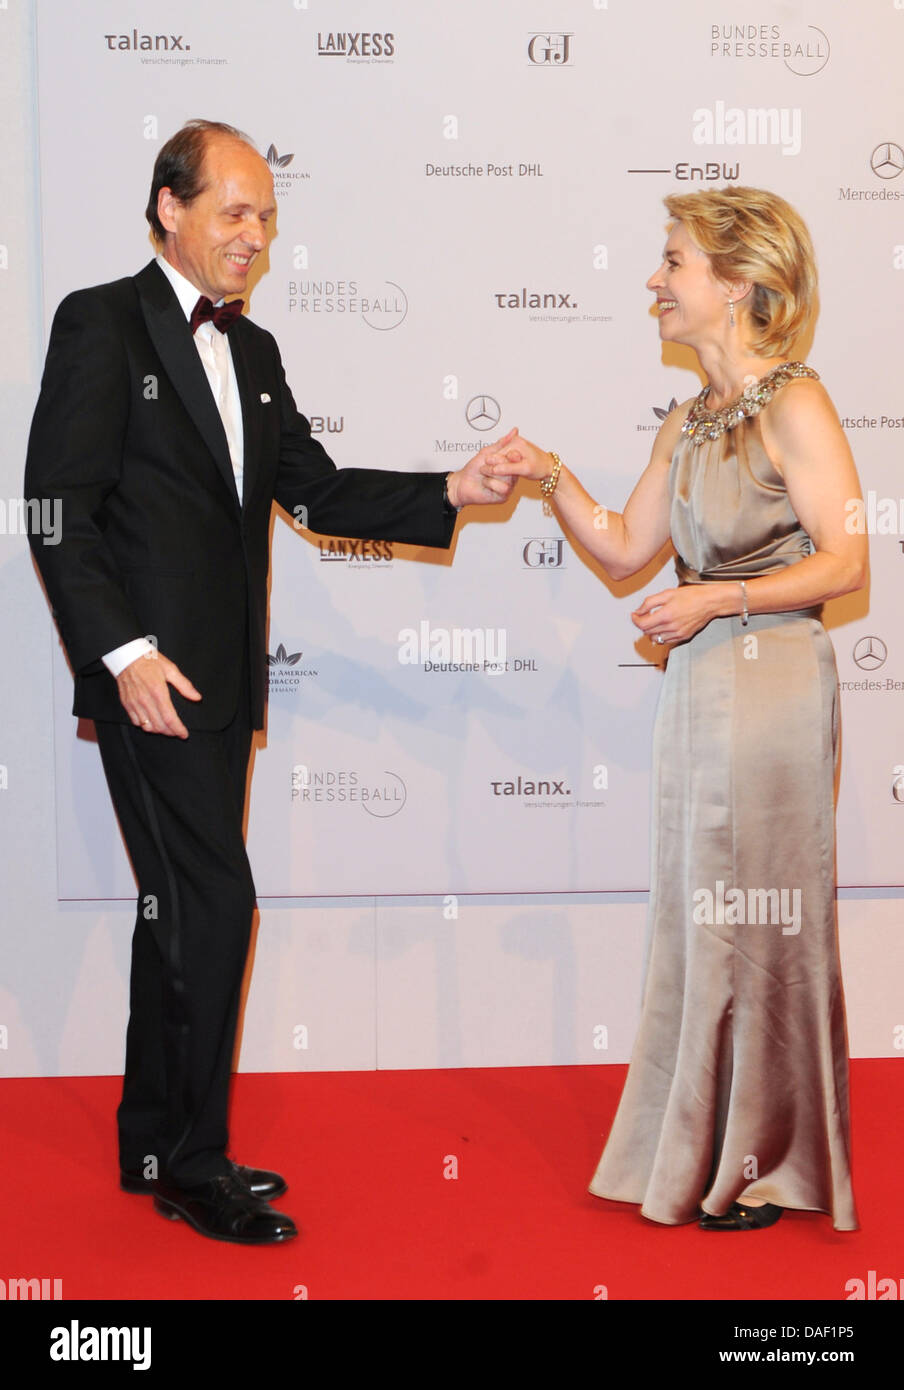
749, 234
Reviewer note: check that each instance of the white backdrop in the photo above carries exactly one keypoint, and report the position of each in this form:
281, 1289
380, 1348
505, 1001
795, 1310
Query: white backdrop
470, 203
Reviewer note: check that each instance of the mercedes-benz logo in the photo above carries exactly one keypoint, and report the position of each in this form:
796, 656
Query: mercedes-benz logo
870, 653
887, 161
483, 413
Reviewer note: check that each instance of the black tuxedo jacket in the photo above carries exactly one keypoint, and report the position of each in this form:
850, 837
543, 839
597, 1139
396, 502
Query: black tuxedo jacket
127, 435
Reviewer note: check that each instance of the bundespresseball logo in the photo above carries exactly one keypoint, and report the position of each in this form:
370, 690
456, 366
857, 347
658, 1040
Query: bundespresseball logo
380, 794
802, 48
809, 53
387, 307
382, 305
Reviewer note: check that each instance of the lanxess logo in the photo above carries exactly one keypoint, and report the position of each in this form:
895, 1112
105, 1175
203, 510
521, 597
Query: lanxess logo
360, 47
356, 554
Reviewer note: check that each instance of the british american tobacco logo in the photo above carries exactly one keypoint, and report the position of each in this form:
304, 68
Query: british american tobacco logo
285, 673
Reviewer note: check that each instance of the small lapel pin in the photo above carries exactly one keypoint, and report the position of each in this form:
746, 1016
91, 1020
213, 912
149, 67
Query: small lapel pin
265, 399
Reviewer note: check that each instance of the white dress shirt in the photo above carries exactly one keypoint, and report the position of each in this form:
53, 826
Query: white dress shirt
216, 357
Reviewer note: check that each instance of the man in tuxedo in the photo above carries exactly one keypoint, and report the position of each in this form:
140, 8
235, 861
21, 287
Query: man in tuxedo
166, 428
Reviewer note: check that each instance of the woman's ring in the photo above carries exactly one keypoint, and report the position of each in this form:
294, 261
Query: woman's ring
659, 640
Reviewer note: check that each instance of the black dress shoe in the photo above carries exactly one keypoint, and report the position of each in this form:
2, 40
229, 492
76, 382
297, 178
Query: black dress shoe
258, 1181
742, 1218
224, 1209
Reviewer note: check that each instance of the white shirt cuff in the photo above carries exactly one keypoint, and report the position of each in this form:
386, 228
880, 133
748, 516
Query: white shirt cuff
121, 657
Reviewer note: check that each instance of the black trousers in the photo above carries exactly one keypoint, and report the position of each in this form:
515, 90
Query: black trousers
180, 805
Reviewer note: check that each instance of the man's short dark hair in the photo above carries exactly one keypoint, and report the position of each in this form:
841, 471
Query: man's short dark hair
180, 165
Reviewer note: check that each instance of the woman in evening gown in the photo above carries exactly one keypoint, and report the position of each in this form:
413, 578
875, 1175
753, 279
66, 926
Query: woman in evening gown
735, 1106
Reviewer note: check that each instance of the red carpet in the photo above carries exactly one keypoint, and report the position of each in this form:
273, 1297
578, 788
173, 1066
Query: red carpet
365, 1155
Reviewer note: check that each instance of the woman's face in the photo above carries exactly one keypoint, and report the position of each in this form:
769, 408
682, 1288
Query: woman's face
692, 304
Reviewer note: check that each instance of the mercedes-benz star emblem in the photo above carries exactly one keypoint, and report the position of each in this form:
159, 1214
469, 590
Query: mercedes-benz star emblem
483, 413
870, 653
887, 161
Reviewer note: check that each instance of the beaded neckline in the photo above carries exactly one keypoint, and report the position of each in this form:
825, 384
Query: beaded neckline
702, 424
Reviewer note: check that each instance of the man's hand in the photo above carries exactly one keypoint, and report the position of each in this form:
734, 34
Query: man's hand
144, 693
522, 459
476, 482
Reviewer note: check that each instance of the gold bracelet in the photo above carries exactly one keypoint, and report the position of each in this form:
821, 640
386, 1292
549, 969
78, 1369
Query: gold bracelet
548, 484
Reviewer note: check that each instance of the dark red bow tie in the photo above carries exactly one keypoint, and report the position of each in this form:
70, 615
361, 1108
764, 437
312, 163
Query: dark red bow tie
222, 318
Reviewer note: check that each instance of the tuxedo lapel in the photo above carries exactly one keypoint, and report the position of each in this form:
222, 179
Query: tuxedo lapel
171, 336
251, 411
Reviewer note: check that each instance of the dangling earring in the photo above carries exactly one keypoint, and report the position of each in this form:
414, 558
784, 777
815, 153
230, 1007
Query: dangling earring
731, 312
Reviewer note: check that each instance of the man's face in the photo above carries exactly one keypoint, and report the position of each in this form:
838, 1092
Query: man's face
214, 239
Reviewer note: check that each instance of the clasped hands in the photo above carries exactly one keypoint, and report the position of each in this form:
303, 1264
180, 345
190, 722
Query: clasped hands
672, 615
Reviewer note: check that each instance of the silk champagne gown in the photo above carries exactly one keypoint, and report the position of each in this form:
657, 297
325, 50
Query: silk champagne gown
738, 1083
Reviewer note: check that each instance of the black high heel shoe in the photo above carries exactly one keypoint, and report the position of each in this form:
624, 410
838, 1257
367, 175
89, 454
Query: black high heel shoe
742, 1218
